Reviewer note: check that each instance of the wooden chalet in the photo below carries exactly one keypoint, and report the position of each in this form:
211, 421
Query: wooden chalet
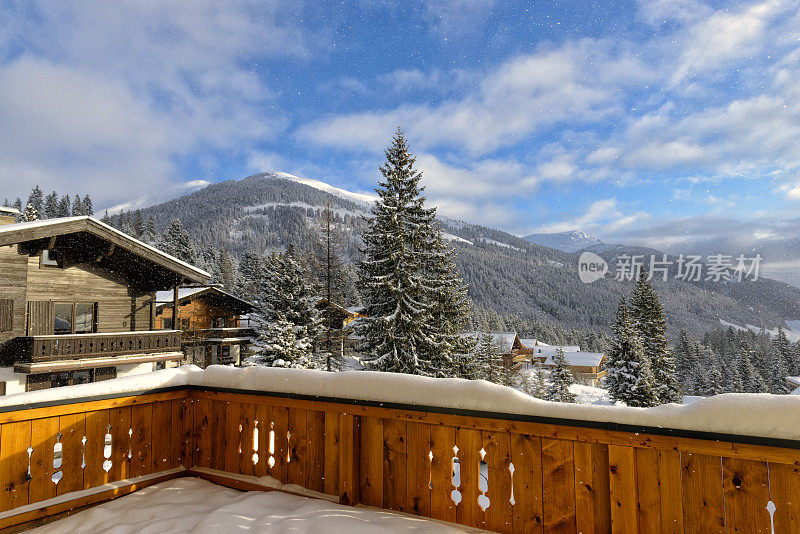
77, 303
342, 320
213, 321
587, 367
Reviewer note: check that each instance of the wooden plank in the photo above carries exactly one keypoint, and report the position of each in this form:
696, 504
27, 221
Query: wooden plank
141, 440
219, 434
499, 516
443, 439
264, 427
624, 495
701, 484
96, 428
592, 488
280, 422
315, 450
746, 486
331, 468
43, 439
162, 431
15, 438
203, 435
120, 421
469, 445
249, 443
558, 486
181, 435
73, 430
372, 456
784, 484
669, 478
395, 465
298, 443
418, 464
232, 433
648, 488
526, 454
349, 453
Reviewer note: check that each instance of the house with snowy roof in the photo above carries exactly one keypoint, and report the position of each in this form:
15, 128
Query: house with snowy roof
213, 322
587, 367
77, 303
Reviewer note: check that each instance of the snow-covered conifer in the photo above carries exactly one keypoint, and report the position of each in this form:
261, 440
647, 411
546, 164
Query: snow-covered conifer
560, 380
30, 213
534, 384
629, 378
489, 360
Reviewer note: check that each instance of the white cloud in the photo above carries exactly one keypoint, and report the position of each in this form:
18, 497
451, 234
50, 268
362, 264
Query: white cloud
106, 99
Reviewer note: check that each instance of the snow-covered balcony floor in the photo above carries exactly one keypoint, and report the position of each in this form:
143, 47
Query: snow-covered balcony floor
198, 506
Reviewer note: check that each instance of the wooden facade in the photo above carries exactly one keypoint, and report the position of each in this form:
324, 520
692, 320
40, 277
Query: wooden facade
500, 472
66, 279
214, 331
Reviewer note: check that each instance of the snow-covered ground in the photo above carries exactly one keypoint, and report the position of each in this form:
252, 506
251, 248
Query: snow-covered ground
194, 505
793, 335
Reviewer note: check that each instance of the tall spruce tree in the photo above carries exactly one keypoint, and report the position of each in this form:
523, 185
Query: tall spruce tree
64, 207
30, 213
175, 241
534, 383
560, 380
401, 276
489, 360
51, 206
629, 377
36, 201
87, 205
77, 206
650, 323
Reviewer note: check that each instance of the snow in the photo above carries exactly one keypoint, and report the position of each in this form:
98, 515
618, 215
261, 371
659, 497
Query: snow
572, 241
591, 395
322, 186
545, 351
498, 243
752, 414
791, 335
451, 237
338, 211
194, 505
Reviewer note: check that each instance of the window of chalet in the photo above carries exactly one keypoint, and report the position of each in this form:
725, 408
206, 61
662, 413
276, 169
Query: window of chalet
166, 323
51, 258
80, 318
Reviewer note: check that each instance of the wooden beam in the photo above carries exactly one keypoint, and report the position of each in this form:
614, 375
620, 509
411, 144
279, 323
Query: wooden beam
175, 306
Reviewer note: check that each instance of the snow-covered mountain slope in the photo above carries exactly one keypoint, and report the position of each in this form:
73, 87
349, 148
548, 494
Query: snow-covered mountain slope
322, 186
571, 241
505, 273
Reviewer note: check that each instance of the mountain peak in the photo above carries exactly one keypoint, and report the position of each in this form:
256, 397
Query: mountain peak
571, 241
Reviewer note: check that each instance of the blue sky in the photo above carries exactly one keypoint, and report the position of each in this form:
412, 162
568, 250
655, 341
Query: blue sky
666, 122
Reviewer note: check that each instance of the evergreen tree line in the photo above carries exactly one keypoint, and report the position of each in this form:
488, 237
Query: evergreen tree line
641, 367
736, 361
51, 206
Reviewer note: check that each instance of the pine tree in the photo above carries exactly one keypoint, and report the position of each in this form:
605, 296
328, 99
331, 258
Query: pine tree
534, 383
686, 363
560, 380
784, 350
87, 205
712, 381
279, 346
106, 219
150, 232
489, 360
650, 323
139, 227
777, 372
51, 206
225, 268
251, 272
77, 206
752, 381
36, 200
30, 213
18, 204
629, 377
466, 366
176, 241
400, 278
64, 207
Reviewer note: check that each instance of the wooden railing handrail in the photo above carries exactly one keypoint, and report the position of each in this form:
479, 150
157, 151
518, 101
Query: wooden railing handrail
99, 334
567, 475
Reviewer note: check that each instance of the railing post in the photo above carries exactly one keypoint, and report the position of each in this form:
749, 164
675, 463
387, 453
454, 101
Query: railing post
349, 459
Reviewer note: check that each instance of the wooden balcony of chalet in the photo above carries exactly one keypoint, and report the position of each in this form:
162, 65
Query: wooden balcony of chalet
85, 350
231, 334
504, 472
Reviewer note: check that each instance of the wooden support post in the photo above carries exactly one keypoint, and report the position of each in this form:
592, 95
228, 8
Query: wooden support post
175, 306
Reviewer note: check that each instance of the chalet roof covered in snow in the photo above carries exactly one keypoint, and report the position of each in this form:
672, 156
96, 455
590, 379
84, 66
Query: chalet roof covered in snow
9, 211
579, 359
503, 340
84, 231
550, 350
529, 343
185, 294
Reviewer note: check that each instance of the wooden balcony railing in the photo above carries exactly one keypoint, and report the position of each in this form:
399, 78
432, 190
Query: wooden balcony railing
224, 333
501, 472
35, 349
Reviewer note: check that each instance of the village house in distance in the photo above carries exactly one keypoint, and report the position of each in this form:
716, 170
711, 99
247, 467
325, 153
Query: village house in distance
214, 324
78, 303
